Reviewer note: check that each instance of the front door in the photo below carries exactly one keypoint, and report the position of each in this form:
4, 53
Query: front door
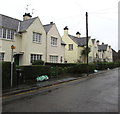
16, 59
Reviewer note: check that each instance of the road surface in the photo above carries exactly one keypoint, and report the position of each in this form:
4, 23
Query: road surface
96, 94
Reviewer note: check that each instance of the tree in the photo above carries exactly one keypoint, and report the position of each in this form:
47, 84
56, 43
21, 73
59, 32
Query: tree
84, 53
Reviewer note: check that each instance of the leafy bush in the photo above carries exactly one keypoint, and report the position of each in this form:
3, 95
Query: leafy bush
60, 64
82, 68
105, 65
38, 62
6, 75
31, 72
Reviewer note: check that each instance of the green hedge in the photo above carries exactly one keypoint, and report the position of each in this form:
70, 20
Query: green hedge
82, 68
38, 62
60, 64
53, 70
105, 65
31, 72
6, 75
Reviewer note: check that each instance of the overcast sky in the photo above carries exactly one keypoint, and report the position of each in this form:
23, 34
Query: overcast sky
102, 16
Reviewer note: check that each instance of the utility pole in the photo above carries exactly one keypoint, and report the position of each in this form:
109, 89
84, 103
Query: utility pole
87, 39
87, 35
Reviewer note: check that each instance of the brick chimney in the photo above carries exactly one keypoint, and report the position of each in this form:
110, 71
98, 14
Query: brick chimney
26, 16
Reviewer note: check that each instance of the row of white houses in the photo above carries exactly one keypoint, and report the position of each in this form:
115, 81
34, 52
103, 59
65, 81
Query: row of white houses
35, 41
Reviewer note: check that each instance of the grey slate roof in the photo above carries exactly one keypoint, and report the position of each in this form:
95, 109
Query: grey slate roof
12, 23
8, 22
102, 47
79, 41
48, 27
25, 24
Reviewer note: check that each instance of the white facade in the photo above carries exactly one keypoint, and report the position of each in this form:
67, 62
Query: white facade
31, 42
55, 49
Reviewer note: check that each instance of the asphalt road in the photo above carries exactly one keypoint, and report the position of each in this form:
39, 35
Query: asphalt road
96, 94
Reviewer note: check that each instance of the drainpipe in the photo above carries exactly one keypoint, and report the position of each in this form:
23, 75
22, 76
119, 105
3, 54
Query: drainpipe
45, 50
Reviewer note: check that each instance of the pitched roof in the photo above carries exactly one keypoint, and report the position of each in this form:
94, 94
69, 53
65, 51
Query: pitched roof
9, 22
25, 24
79, 41
12, 23
48, 27
102, 47
93, 41
63, 43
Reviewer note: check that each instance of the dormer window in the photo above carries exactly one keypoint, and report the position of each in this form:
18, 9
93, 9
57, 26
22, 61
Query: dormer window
37, 37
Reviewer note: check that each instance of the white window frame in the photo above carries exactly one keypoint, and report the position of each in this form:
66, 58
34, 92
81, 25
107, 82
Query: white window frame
53, 59
36, 37
7, 36
54, 41
4, 35
70, 46
34, 57
1, 34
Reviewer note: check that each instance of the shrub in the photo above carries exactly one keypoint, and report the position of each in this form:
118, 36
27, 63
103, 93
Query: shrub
81, 68
38, 62
105, 65
30, 73
6, 75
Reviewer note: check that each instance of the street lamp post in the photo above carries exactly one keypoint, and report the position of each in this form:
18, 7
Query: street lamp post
12, 48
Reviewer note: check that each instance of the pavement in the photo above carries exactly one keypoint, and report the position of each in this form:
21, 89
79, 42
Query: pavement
50, 82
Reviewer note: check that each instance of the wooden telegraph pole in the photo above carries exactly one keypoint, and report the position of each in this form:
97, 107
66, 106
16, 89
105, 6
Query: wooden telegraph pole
87, 38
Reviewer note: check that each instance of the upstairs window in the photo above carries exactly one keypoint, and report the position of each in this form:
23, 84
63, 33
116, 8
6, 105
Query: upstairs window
12, 34
4, 33
7, 33
53, 41
0, 32
70, 47
36, 37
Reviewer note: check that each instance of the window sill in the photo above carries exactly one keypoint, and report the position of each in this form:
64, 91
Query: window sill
70, 50
54, 45
37, 42
7, 39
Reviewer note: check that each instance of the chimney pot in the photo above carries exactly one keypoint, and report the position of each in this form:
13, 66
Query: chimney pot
26, 16
51, 22
66, 31
66, 28
97, 42
78, 34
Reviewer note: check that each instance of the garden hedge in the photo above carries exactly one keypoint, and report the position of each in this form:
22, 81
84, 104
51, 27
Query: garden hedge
6, 75
52, 70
